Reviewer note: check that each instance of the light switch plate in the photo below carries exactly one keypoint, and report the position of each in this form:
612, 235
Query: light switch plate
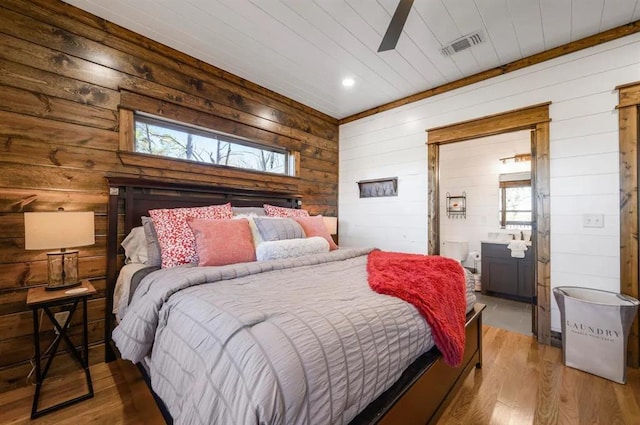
593, 220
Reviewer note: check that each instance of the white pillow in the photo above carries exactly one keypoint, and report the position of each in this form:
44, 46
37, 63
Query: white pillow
135, 246
287, 248
248, 212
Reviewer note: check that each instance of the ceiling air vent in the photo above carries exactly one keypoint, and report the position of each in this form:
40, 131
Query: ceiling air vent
462, 44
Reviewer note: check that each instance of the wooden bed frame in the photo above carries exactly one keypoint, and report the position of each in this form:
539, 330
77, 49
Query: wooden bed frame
420, 395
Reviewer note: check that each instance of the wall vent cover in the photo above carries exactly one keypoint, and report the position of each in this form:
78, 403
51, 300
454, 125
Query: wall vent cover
462, 43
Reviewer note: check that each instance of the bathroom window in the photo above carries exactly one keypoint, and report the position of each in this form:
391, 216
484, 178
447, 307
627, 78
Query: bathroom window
515, 204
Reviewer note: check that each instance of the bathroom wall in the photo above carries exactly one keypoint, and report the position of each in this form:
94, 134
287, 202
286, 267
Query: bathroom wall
473, 167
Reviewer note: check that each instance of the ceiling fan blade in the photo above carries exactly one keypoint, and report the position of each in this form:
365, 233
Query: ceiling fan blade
392, 35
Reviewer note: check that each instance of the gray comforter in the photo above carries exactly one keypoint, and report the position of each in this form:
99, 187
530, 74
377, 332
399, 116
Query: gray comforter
297, 341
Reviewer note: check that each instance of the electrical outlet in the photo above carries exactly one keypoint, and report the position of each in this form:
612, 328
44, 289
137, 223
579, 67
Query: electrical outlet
61, 318
593, 220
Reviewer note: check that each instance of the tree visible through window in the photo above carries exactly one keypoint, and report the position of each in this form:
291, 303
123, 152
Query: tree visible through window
515, 204
164, 138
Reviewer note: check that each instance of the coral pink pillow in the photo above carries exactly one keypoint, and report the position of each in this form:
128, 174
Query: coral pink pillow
176, 240
314, 226
273, 211
221, 242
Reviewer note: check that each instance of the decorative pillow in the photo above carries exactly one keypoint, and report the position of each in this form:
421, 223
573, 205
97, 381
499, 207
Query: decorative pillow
153, 248
274, 211
177, 242
221, 242
135, 246
314, 226
248, 211
277, 229
276, 250
257, 239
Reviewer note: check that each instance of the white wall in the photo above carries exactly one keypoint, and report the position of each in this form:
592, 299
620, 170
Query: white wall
584, 159
474, 167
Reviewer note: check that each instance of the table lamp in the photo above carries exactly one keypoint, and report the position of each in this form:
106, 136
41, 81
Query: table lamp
331, 223
59, 230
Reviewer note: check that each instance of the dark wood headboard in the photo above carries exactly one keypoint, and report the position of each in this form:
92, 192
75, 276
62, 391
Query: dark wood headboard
132, 198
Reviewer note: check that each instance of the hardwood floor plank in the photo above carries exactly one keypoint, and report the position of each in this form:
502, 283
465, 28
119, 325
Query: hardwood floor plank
501, 414
458, 411
627, 402
549, 378
509, 390
587, 402
524, 408
486, 400
569, 395
607, 409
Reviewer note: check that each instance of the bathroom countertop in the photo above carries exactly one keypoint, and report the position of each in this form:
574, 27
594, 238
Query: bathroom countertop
500, 242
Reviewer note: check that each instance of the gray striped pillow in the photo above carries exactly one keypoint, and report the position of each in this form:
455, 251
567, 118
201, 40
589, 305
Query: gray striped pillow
153, 247
277, 229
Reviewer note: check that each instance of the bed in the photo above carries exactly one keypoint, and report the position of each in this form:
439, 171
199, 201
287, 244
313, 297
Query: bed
411, 398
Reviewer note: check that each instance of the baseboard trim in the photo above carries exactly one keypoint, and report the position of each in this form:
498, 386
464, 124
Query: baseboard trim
556, 339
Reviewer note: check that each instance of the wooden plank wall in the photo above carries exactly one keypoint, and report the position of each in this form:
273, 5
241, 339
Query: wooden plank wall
62, 72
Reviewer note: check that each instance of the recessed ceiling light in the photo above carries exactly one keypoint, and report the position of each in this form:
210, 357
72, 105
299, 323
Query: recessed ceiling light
348, 82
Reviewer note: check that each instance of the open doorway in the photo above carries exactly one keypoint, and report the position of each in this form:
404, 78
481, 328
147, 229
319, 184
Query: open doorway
536, 119
486, 216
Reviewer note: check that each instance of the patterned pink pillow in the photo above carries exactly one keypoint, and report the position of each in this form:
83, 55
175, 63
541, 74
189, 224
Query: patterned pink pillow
177, 242
221, 242
273, 211
314, 226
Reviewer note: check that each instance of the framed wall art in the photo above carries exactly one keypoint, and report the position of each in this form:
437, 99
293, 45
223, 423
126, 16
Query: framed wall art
378, 187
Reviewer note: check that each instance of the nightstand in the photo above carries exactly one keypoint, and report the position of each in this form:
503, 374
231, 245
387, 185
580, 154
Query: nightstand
39, 298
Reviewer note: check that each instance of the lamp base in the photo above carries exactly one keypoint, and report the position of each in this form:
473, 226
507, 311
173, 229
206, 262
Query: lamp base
62, 286
63, 269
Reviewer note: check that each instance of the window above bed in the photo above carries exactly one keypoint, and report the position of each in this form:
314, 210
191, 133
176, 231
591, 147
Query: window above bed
166, 138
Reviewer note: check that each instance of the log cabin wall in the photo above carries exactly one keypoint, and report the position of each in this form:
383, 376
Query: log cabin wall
64, 74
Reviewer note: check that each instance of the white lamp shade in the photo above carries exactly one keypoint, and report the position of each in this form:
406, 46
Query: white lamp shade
60, 229
332, 224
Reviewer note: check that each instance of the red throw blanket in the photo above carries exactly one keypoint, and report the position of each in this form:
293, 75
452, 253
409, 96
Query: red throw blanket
434, 285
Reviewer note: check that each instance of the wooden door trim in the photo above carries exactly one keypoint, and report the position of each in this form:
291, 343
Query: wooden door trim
628, 109
517, 119
536, 118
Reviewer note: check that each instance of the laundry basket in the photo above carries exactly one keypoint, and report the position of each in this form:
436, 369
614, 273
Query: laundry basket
595, 327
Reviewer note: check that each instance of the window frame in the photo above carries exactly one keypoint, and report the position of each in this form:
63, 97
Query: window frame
504, 185
291, 158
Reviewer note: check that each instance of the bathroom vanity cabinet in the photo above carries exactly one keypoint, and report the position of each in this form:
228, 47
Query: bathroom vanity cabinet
507, 276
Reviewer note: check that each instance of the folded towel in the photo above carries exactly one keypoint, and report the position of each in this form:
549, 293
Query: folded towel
517, 248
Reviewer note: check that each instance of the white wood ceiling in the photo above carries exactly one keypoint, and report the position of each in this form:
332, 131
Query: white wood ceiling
303, 49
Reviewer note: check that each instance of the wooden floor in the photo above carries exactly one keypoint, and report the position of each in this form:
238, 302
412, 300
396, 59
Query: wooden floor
120, 397
520, 383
